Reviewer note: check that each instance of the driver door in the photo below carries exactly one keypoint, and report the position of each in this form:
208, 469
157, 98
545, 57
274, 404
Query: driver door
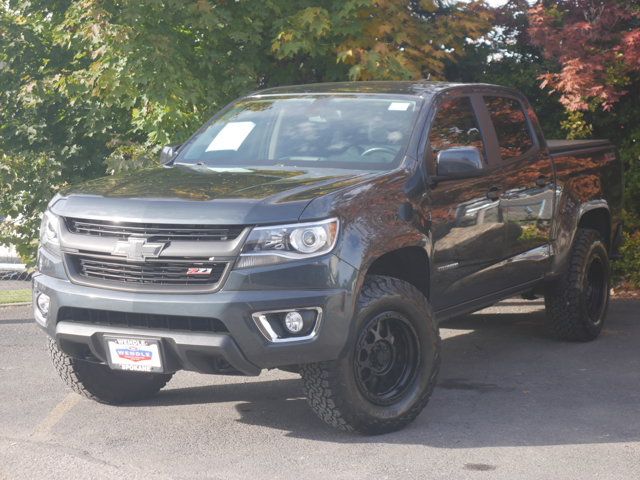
467, 217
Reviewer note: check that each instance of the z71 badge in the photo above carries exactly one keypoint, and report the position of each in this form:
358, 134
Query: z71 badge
199, 271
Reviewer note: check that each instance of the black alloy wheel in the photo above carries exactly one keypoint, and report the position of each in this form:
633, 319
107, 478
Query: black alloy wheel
596, 290
386, 375
386, 358
576, 301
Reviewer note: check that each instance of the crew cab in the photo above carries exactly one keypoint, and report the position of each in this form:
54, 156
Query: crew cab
327, 229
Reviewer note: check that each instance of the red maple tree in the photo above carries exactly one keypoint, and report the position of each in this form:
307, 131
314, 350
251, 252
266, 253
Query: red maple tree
596, 43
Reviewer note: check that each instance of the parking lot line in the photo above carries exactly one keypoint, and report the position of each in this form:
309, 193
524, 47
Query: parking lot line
43, 429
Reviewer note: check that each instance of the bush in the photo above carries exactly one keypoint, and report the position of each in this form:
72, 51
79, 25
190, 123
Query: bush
627, 268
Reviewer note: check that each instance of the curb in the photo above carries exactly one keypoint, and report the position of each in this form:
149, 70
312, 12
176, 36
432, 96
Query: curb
18, 304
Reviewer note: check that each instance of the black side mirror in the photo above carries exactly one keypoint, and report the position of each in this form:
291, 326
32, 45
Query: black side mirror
459, 162
168, 154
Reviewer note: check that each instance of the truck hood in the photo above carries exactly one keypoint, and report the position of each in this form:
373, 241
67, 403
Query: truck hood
200, 194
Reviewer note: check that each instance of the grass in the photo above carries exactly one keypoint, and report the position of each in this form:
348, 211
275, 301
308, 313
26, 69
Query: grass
15, 296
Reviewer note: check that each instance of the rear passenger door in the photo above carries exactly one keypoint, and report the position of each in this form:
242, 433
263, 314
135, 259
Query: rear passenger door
527, 187
466, 215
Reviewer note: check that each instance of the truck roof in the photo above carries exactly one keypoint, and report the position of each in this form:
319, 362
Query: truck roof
413, 88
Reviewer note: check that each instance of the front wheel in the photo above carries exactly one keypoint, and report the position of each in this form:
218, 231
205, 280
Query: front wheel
98, 382
387, 375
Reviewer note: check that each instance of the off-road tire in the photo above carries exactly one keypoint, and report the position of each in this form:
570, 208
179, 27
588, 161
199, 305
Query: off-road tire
332, 389
98, 382
570, 316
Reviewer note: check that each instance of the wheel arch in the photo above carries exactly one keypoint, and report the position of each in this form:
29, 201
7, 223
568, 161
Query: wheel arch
597, 217
410, 264
592, 214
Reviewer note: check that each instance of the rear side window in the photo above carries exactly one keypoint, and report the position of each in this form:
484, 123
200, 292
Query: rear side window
511, 126
455, 125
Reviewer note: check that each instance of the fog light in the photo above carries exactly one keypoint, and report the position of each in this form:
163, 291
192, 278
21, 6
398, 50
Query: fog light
297, 325
43, 301
294, 322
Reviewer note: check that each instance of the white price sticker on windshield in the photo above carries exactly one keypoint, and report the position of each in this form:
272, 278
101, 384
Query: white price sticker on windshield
399, 106
231, 136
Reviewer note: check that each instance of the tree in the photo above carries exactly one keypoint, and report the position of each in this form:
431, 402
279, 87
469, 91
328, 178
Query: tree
46, 139
596, 42
383, 39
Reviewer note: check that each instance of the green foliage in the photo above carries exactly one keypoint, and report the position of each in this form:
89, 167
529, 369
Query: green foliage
46, 138
576, 126
384, 39
628, 267
27, 182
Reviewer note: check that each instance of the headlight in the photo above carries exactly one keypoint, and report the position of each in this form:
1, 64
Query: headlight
50, 232
276, 244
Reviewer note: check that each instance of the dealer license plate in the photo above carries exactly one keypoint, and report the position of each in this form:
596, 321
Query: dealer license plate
134, 354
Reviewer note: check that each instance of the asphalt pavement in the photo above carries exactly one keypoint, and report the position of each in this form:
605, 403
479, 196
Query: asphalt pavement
511, 403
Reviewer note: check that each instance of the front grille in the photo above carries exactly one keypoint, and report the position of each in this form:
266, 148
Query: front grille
162, 271
158, 232
141, 320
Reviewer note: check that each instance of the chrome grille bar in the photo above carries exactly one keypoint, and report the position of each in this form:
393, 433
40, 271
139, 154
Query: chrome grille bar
166, 232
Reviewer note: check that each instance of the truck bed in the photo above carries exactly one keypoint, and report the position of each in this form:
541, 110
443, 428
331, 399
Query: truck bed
557, 147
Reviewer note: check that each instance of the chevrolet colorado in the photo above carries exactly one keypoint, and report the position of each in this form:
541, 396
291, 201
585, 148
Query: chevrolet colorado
327, 230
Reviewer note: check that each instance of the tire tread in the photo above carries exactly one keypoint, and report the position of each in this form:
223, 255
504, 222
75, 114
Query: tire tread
80, 376
320, 378
564, 313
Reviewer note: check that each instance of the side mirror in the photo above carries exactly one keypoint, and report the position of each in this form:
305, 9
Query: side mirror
168, 154
459, 162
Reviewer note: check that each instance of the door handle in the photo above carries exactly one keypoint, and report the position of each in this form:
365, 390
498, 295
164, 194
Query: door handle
542, 181
494, 193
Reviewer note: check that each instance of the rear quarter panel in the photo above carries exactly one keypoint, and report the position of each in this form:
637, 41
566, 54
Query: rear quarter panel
586, 179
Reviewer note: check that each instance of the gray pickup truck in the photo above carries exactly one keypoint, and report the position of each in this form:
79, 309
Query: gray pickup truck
327, 230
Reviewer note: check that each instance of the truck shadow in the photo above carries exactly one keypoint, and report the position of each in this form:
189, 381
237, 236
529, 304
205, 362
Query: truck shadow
503, 382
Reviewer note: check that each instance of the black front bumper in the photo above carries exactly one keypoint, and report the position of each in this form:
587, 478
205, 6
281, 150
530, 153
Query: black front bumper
203, 352
242, 348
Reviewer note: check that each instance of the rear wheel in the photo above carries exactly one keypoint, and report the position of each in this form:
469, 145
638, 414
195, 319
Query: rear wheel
98, 382
386, 377
576, 303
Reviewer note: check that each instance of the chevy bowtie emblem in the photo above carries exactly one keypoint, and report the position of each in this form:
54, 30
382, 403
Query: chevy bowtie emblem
137, 249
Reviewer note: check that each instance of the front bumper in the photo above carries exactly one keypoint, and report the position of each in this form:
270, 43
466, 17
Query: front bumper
325, 282
206, 353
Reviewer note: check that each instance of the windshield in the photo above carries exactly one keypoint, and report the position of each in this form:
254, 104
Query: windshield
355, 132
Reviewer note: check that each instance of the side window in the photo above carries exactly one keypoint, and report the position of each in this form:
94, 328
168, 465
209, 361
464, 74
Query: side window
455, 125
511, 126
